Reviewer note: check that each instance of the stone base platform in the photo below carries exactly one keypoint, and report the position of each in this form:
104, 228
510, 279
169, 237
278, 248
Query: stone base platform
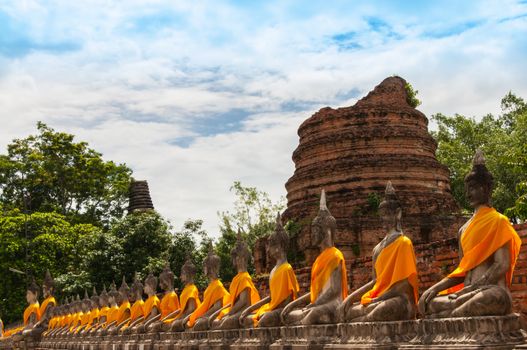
451, 333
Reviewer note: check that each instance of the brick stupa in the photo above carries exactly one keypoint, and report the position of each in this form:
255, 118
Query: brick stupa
139, 197
351, 153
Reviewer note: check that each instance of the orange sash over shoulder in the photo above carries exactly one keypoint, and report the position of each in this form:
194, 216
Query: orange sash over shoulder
121, 313
214, 292
395, 263
94, 317
136, 311
189, 292
169, 304
112, 314
48, 301
282, 285
485, 234
322, 269
31, 309
151, 303
239, 283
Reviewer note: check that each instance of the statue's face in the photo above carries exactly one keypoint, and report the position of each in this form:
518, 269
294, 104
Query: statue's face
476, 194
47, 291
389, 218
31, 297
148, 289
111, 299
274, 250
164, 284
317, 234
123, 295
185, 278
240, 262
103, 301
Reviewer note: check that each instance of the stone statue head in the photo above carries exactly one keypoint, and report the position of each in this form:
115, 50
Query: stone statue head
479, 182
104, 298
113, 294
137, 288
188, 271
240, 254
390, 209
86, 302
324, 225
32, 291
94, 299
150, 284
278, 241
48, 285
78, 304
166, 278
211, 264
124, 291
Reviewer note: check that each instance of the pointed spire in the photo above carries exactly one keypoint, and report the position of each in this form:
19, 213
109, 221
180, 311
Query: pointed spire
48, 280
389, 189
86, 297
94, 292
323, 203
479, 158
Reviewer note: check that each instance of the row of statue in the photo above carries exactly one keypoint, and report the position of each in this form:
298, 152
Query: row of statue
479, 286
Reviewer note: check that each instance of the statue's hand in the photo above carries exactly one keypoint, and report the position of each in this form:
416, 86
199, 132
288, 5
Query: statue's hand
427, 296
452, 296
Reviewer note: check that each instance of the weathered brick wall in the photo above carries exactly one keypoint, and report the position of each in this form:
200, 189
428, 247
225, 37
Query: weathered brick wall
434, 261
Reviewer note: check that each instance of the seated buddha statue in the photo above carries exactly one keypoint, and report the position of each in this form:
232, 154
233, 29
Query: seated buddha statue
329, 286
123, 314
283, 285
488, 250
93, 314
104, 309
189, 299
44, 312
136, 310
242, 291
214, 297
111, 315
391, 295
151, 307
169, 302
31, 313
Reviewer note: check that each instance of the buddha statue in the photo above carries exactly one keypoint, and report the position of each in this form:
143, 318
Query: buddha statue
169, 303
123, 314
76, 315
283, 285
93, 313
112, 313
488, 250
61, 317
44, 312
242, 291
85, 305
104, 310
392, 293
214, 297
31, 313
136, 310
329, 286
189, 299
151, 307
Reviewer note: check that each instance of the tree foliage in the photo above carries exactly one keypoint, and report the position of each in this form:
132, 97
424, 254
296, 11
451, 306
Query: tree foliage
50, 172
254, 215
503, 139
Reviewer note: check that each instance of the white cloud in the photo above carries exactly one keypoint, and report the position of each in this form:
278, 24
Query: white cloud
135, 78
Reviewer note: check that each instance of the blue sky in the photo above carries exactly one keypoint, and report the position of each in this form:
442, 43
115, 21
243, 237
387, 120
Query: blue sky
194, 95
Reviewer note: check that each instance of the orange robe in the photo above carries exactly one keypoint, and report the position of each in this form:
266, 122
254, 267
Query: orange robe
48, 301
76, 321
169, 304
189, 292
94, 316
485, 234
31, 309
322, 269
103, 313
215, 291
136, 311
122, 312
283, 284
85, 318
112, 314
395, 263
239, 283
150, 303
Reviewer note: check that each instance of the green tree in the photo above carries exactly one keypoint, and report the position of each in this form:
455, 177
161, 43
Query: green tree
503, 139
254, 215
31, 244
139, 242
50, 172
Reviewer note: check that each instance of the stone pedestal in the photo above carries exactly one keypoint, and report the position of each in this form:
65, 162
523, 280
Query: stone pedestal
256, 338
